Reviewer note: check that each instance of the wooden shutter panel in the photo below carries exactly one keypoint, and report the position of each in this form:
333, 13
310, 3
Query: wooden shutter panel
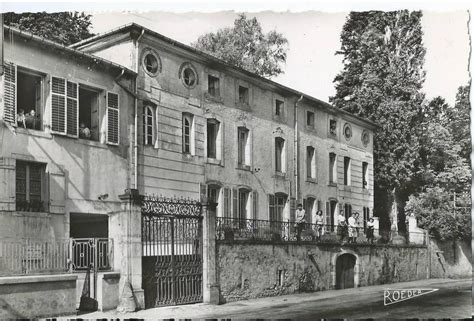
56, 191
227, 209
72, 108
271, 207
328, 213
235, 203
113, 121
292, 209
58, 105
255, 205
9, 83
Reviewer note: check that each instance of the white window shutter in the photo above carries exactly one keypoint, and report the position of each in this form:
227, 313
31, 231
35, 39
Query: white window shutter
113, 119
72, 109
9, 83
58, 105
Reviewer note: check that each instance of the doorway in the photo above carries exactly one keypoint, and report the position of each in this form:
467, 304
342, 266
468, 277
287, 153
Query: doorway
345, 268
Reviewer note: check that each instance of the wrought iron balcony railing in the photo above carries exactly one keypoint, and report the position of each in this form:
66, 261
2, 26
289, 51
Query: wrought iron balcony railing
232, 229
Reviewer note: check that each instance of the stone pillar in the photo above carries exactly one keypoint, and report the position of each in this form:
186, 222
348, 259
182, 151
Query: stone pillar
125, 229
210, 283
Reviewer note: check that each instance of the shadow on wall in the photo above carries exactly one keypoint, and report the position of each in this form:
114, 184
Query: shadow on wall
451, 258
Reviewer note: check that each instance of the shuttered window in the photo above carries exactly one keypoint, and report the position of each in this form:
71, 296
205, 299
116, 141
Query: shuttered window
58, 105
235, 203
254, 204
227, 202
72, 109
9, 83
113, 118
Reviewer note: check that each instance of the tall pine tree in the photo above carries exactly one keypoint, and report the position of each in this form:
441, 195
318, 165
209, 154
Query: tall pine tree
383, 74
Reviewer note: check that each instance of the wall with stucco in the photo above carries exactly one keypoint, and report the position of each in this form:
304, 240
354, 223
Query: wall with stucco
252, 270
77, 170
37, 296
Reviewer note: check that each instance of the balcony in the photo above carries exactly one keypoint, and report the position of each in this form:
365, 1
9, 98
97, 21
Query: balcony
264, 231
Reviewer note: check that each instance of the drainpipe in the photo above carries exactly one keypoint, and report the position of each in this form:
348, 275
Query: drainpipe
295, 152
135, 146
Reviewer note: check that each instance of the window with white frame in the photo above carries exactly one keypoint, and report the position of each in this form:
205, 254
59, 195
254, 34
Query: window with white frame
310, 163
89, 113
332, 169
214, 142
149, 126
23, 96
30, 186
188, 133
280, 157
243, 147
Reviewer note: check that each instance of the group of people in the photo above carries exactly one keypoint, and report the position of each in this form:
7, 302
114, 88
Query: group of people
350, 228
29, 120
345, 229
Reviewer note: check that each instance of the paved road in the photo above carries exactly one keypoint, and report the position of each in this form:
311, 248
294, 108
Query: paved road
452, 300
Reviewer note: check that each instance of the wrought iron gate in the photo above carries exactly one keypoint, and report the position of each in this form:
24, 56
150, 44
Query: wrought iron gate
172, 251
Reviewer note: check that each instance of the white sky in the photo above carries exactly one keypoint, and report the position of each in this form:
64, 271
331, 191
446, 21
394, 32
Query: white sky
313, 40
314, 36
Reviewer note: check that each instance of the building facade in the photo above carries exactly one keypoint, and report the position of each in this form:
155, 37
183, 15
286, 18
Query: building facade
64, 133
255, 147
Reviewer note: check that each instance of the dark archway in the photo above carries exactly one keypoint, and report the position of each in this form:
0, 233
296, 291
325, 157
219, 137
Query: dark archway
345, 270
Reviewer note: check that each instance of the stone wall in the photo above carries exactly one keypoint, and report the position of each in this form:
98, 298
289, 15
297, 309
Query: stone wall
451, 258
37, 296
257, 270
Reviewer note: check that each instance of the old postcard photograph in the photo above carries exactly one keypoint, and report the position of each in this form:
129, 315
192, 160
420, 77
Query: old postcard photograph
235, 161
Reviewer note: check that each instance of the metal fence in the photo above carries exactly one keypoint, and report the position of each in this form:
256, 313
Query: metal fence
91, 252
28, 257
232, 229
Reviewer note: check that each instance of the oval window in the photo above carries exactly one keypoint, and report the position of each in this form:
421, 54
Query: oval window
189, 77
151, 64
365, 137
347, 131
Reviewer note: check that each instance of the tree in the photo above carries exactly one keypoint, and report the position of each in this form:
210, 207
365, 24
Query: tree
382, 77
435, 212
459, 121
62, 27
442, 202
246, 46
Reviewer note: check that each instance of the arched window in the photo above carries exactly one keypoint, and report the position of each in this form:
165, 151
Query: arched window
280, 158
188, 134
148, 126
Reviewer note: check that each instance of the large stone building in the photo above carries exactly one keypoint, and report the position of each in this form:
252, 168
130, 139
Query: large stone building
257, 146
133, 110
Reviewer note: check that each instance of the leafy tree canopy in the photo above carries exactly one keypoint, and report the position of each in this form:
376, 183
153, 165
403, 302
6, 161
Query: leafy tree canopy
382, 77
62, 27
246, 46
444, 175
435, 212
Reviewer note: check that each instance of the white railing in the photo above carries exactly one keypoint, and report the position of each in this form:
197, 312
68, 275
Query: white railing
27, 257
